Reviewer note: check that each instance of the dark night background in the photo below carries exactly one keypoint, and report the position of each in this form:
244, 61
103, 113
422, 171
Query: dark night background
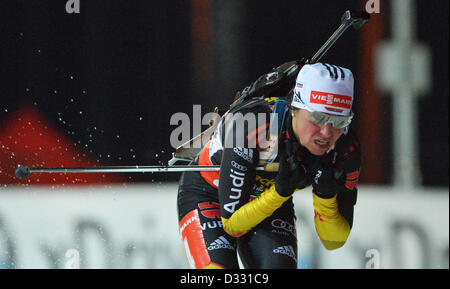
110, 77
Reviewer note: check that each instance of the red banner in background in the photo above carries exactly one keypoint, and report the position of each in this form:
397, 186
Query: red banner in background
27, 138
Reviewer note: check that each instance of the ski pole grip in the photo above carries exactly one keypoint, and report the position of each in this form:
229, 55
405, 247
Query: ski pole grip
354, 18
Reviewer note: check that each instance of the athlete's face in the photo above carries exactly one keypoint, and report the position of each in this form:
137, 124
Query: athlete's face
317, 139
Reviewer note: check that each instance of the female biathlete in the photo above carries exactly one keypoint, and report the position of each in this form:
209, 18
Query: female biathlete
251, 212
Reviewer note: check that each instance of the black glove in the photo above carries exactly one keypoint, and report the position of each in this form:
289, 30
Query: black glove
291, 173
348, 160
337, 171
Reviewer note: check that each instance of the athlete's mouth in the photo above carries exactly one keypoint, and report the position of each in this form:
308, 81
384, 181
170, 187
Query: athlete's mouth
322, 143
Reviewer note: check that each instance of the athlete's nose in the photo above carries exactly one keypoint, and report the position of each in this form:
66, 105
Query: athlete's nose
326, 130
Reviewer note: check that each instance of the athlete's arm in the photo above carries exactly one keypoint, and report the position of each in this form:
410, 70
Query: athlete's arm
331, 227
335, 193
237, 176
239, 215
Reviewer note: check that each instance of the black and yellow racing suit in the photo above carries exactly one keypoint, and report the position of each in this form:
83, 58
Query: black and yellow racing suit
238, 208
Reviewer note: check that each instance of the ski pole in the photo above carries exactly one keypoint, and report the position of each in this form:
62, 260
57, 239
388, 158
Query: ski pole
23, 171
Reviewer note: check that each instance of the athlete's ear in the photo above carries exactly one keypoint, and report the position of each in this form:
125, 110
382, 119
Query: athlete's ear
293, 112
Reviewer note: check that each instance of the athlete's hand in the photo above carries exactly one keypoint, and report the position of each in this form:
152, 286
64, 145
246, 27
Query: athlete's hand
291, 173
327, 181
337, 171
348, 159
